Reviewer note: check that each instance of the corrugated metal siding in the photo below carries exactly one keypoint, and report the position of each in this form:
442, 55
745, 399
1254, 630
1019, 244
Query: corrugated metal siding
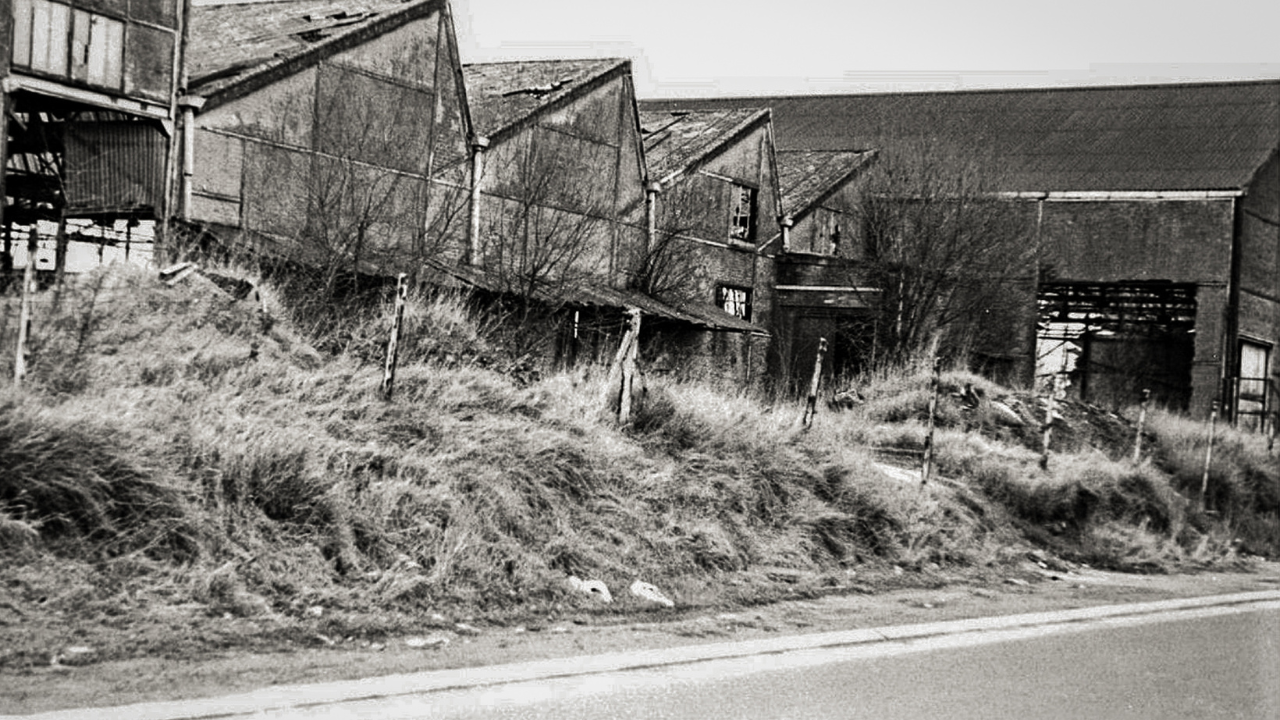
114, 167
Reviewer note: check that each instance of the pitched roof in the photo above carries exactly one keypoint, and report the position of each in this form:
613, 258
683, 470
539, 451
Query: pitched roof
231, 43
503, 94
1206, 136
675, 140
806, 176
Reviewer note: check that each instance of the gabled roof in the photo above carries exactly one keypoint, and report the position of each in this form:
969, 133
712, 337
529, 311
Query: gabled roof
808, 176
677, 140
1206, 136
232, 44
505, 94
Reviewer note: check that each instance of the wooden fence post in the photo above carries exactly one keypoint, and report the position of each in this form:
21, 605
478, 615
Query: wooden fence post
24, 318
1048, 419
629, 367
1142, 420
935, 382
1208, 455
393, 345
811, 402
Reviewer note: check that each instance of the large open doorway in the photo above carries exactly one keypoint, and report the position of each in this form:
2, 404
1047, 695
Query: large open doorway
1111, 341
79, 181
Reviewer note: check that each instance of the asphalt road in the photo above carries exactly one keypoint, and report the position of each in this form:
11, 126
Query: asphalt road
1210, 657
1200, 664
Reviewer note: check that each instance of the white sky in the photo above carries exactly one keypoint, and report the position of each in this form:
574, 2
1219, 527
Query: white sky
723, 47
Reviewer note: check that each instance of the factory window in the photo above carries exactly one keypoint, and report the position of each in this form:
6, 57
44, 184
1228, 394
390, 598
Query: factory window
734, 300
742, 221
53, 38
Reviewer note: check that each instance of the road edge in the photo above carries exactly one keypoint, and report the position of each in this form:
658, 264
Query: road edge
289, 697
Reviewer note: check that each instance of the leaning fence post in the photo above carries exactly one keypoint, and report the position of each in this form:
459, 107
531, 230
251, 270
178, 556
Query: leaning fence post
926, 469
393, 345
811, 402
1208, 455
1142, 420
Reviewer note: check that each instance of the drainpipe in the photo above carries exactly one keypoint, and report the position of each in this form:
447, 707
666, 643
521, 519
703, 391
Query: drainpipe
1231, 328
786, 223
189, 104
478, 146
651, 192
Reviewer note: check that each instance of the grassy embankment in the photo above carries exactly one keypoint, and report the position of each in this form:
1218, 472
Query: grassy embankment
177, 456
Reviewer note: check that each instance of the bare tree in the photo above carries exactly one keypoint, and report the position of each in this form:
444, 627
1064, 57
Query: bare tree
945, 251
548, 226
666, 269
548, 218
369, 205
358, 206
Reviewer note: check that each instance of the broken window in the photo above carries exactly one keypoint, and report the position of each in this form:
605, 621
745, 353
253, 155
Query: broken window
52, 38
734, 300
742, 219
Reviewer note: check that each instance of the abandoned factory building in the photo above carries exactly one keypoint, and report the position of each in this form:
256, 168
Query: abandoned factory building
1156, 223
352, 136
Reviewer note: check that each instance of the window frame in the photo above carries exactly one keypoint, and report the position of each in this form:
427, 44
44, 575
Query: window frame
735, 300
742, 221
70, 43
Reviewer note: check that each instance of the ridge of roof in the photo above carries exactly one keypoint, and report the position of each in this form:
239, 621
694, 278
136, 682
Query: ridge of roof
237, 47
504, 95
1164, 137
807, 177
704, 136
966, 91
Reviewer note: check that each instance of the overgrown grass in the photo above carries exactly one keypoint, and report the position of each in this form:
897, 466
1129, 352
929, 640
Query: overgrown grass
1242, 492
206, 447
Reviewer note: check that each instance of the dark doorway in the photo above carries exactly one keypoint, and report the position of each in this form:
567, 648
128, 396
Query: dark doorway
1113, 340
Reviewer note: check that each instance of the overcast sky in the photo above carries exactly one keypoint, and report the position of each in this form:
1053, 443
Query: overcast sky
722, 47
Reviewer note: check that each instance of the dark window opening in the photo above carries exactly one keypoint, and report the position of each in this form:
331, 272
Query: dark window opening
742, 220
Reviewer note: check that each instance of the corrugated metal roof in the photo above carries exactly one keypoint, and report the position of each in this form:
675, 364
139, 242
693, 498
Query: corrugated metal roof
505, 93
1205, 136
805, 176
676, 140
697, 314
230, 42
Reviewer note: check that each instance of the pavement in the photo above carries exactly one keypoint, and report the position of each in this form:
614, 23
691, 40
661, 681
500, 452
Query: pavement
315, 697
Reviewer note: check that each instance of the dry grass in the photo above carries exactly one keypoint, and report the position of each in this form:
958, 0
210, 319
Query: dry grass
179, 445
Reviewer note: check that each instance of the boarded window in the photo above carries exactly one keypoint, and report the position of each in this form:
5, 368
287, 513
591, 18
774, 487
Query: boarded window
52, 38
742, 220
734, 300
